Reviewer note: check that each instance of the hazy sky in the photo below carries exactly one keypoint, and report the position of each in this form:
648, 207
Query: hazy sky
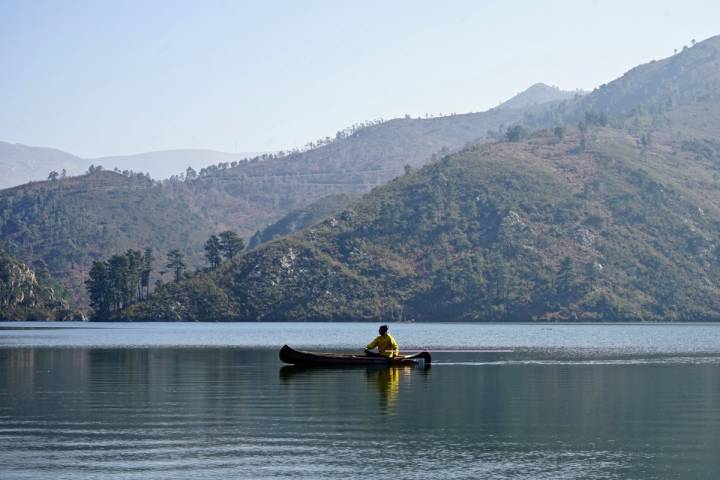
114, 77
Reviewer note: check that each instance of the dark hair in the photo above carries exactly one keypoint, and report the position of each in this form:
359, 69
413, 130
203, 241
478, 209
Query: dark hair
383, 328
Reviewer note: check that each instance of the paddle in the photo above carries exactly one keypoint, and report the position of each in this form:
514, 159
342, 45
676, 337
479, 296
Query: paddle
421, 355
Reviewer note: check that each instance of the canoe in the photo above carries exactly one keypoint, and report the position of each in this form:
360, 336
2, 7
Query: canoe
296, 357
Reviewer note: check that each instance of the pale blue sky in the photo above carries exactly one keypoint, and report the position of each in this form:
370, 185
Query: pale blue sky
115, 77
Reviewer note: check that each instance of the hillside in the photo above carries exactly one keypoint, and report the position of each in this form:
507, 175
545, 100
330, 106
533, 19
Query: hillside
544, 229
25, 295
64, 225
256, 193
303, 217
94, 216
358, 159
166, 163
538, 94
592, 222
672, 100
688, 77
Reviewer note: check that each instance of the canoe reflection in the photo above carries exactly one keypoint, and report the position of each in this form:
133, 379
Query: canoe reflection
383, 382
387, 383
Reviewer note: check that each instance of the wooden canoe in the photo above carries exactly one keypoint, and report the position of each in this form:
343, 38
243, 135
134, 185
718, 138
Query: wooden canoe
296, 357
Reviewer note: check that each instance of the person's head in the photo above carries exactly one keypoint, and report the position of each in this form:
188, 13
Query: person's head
383, 329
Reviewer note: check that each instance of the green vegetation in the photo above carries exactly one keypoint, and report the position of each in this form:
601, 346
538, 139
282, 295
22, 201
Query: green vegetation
176, 264
212, 251
123, 281
516, 133
67, 224
119, 282
303, 217
611, 220
27, 295
521, 231
231, 244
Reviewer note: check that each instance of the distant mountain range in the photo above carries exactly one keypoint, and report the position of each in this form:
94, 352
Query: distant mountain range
22, 163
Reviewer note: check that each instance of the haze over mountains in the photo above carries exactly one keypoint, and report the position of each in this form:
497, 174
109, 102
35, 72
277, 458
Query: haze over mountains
166, 163
22, 163
439, 240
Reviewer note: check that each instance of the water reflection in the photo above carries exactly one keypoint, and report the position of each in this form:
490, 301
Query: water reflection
383, 381
220, 413
386, 381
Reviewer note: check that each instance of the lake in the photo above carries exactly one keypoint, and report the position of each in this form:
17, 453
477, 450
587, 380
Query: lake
174, 401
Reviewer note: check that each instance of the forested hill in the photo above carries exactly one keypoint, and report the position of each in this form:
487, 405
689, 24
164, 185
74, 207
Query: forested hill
65, 224
616, 218
253, 194
600, 224
355, 160
690, 76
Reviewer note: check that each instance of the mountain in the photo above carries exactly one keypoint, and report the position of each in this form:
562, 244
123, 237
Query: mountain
615, 219
68, 223
543, 229
303, 217
250, 195
166, 163
255, 193
25, 295
689, 76
538, 94
655, 88
21, 163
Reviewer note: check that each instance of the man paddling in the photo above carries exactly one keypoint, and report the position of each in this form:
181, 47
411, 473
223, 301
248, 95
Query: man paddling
385, 343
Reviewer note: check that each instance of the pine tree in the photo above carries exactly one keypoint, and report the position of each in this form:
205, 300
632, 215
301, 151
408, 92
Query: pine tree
176, 262
231, 244
118, 279
147, 263
213, 249
98, 287
567, 280
134, 288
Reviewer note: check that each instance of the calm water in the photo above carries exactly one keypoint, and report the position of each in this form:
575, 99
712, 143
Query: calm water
173, 401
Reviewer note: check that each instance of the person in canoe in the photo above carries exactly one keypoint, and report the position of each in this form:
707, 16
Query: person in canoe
386, 345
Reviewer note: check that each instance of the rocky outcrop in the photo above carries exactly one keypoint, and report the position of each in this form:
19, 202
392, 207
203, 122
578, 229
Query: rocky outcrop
26, 296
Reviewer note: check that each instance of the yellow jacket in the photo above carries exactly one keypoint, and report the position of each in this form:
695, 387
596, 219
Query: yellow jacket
386, 345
